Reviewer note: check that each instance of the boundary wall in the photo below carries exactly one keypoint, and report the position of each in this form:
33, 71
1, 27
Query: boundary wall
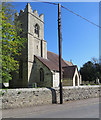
13, 98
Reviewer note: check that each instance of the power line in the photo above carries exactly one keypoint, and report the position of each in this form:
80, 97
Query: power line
45, 2
70, 11
81, 16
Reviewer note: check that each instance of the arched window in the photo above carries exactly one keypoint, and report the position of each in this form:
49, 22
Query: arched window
36, 30
76, 80
41, 75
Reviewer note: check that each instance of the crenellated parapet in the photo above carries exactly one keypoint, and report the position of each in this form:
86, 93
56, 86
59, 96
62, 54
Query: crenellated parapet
21, 12
29, 10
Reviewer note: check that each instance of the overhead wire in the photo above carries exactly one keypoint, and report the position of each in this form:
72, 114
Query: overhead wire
45, 2
69, 11
81, 16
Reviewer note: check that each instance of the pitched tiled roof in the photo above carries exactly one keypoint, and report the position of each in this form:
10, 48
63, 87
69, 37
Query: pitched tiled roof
52, 61
69, 63
69, 71
48, 63
54, 58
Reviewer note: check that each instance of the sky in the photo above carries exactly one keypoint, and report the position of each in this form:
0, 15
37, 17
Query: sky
80, 39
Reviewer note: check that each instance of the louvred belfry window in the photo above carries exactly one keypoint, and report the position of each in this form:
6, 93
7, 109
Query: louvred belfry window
37, 29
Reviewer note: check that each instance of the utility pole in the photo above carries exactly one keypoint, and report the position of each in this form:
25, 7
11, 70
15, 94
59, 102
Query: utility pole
59, 36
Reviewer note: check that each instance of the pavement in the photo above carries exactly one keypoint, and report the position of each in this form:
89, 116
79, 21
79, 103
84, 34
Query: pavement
87, 108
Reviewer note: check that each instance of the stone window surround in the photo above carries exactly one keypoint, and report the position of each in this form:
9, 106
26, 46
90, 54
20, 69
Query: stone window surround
36, 29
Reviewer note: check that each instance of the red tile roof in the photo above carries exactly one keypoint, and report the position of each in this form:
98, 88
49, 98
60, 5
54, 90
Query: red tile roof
69, 71
52, 62
69, 63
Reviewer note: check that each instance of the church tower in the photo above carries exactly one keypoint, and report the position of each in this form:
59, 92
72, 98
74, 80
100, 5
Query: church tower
33, 27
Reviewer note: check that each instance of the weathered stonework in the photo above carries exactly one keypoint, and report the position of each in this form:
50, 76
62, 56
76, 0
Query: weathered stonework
14, 98
36, 75
36, 45
37, 66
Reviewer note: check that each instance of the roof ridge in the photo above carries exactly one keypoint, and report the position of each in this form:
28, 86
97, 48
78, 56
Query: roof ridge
67, 61
53, 53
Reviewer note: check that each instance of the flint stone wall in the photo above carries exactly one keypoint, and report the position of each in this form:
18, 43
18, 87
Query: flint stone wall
14, 98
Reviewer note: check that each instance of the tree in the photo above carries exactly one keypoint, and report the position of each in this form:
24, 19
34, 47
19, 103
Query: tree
98, 71
91, 71
87, 72
12, 43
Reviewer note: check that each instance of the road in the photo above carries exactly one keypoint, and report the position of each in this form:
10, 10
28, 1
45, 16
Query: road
87, 108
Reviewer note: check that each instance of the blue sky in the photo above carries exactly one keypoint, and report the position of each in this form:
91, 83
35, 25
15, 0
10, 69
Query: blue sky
80, 39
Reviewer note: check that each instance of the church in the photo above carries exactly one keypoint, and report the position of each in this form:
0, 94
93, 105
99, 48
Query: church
39, 67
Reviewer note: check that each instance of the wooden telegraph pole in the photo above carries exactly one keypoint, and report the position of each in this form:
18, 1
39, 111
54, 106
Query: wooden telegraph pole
59, 36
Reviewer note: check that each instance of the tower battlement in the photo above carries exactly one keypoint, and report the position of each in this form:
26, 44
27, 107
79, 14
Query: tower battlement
29, 10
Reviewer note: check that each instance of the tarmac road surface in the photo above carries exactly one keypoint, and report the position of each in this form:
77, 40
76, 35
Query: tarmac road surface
87, 108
